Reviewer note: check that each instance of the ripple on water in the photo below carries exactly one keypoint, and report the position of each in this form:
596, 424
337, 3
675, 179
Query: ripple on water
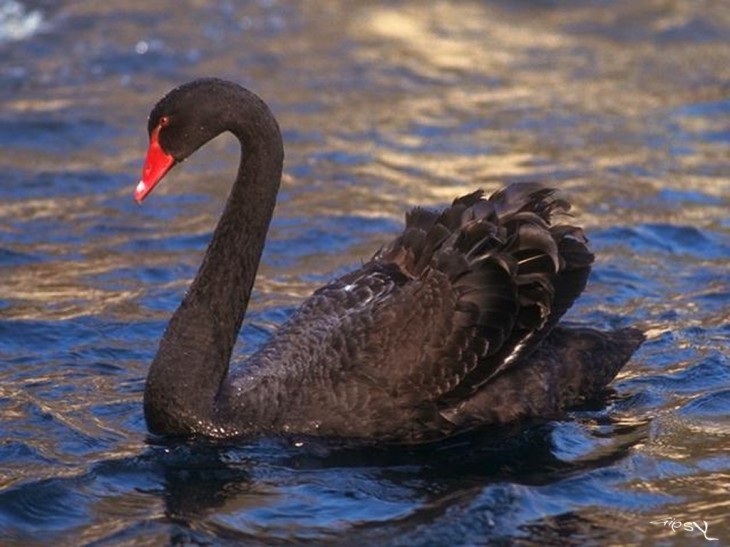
57, 136
712, 406
38, 509
708, 373
661, 238
12, 258
30, 185
17, 23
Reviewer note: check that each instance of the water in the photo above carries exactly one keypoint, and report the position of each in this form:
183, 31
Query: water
623, 105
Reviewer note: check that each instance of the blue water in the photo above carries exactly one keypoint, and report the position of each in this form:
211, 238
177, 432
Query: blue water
622, 105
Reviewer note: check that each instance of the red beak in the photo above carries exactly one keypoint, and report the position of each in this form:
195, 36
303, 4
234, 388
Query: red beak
156, 165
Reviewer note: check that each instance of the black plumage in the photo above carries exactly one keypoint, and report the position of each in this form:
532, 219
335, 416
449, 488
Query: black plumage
450, 326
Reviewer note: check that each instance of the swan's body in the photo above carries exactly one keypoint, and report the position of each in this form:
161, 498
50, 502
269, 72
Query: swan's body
450, 326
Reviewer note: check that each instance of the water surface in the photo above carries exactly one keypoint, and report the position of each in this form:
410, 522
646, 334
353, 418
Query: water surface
622, 105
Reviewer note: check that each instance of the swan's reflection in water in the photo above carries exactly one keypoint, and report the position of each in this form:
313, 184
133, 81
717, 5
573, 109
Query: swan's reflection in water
298, 489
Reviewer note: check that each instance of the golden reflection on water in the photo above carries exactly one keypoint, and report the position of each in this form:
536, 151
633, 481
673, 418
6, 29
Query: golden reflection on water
478, 62
589, 97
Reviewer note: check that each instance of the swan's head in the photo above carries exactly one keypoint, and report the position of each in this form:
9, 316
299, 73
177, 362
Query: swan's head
183, 121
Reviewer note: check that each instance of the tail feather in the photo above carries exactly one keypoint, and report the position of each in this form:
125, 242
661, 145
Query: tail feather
570, 367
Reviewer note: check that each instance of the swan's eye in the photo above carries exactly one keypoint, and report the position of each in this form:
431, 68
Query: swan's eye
164, 120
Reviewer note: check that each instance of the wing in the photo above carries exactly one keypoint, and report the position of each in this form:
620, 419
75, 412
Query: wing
488, 278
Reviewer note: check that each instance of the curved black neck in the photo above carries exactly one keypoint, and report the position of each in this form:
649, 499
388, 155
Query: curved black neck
192, 361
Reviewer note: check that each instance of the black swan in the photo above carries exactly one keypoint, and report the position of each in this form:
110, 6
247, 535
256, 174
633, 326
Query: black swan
449, 327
